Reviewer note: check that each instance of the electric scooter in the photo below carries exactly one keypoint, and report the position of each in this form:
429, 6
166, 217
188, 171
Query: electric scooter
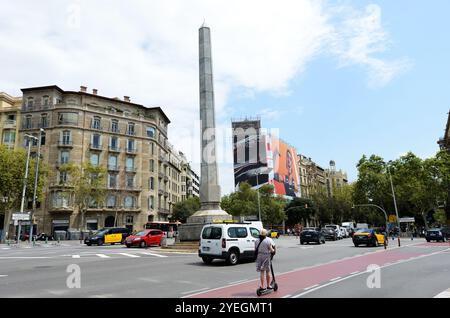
273, 285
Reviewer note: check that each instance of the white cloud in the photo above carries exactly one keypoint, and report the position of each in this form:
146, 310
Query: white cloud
148, 49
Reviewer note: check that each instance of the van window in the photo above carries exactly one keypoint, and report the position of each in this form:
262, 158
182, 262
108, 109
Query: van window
237, 232
254, 232
212, 233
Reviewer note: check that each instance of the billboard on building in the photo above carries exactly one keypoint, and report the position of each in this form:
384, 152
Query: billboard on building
285, 175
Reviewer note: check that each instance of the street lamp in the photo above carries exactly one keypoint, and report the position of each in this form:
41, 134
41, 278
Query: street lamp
395, 201
24, 189
36, 176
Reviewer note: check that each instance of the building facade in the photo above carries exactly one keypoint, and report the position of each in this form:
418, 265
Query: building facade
129, 140
313, 178
335, 179
9, 120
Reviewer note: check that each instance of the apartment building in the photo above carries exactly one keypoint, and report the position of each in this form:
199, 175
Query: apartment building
128, 139
336, 179
9, 120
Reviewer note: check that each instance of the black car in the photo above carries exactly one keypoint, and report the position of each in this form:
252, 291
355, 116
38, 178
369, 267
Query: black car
312, 235
437, 235
109, 236
329, 233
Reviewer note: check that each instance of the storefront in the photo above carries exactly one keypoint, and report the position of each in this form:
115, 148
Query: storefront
60, 225
92, 224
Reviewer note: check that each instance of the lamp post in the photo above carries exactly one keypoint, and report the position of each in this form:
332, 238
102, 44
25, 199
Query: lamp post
24, 189
36, 176
395, 201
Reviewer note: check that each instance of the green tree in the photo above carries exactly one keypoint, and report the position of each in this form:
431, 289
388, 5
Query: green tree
12, 173
300, 210
87, 185
440, 217
183, 210
242, 202
272, 206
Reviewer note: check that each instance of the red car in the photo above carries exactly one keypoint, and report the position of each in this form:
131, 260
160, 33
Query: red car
145, 238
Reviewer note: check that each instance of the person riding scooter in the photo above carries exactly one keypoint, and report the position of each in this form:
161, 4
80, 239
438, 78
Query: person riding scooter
265, 249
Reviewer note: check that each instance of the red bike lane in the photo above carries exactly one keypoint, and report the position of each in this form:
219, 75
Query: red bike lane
297, 280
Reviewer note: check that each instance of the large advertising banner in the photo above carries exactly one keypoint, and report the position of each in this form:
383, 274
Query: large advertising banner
285, 171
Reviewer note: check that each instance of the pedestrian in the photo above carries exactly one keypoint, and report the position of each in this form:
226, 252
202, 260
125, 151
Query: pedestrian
265, 248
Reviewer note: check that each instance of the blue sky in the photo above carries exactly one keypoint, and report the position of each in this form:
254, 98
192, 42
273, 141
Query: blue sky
338, 78
341, 117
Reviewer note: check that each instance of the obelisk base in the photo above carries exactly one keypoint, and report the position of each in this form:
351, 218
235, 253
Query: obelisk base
191, 230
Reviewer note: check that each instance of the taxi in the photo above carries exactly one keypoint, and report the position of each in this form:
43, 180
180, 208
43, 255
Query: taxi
108, 236
369, 237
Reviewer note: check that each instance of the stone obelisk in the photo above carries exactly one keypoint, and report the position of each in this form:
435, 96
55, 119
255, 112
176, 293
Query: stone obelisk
209, 182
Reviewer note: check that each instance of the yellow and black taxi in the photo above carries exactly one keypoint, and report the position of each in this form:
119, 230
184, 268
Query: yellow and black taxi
369, 237
115, 235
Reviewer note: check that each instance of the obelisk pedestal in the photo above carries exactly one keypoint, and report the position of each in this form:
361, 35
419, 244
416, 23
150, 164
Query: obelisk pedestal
210, 210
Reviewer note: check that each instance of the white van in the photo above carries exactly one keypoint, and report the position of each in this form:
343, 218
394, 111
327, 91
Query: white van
229, 241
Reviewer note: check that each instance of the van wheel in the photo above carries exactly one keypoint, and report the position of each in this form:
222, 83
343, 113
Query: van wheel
233, 258
207, 260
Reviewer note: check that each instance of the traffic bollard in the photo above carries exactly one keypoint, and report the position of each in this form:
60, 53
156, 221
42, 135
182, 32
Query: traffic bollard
46, 240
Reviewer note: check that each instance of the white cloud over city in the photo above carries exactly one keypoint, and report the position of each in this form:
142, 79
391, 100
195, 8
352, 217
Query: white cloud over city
148, 50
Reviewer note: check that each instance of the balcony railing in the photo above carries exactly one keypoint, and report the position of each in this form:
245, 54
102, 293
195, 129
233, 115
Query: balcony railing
131, 133
94, 146
10, 122
161, 175
130, 169
132, 151
96, 127
65, 143
160, 192
163, 211
133, 188
114, 149
113, 168
166, 194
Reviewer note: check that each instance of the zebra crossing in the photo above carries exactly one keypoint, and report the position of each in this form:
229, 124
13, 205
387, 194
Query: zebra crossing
114, 255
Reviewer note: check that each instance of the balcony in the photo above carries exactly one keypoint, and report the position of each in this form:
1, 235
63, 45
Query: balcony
166, 178
60, 163
114, 149
160, 192
10, 124
28, 126
166, 194
113, 168
161, 175
97, 127
133, 188
131, 151
163, 211
96, 147
162, 157
130, 169
65, 144
131, 133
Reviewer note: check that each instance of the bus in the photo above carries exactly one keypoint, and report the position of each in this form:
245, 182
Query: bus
170, 229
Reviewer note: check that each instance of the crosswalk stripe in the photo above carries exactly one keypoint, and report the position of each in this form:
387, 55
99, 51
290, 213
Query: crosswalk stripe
103, 256
75, 256
152, 254
129, 255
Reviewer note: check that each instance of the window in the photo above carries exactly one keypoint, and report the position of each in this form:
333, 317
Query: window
151, 183
130, 181
152, 165
129, 219
44, 121
130, 163
152, 148
151, 132
114, 143
130, 145
96, 123
12, 118
112, 181
64, 157
130, 130
95, 159
237, 232
151, 202
62, 177
28, 122
67, 118
111, 201
254, 232
129, 202
45, 101
112, 161
66, 137
30, 102
212, 233
60, 200
96, 141
114, 126
9, 136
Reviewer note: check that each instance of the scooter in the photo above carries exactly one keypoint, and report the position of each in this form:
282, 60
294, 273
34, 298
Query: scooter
273, 285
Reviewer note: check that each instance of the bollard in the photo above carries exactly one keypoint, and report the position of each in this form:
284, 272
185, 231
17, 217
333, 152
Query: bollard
58, 239
46, 240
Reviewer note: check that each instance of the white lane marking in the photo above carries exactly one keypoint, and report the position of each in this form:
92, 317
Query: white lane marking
75, 256
102, 296
361, 273
194, 291
24, 257
354, 273
444, 294
287, 296
153, 254
336, 278
3, 276
311, 287
129, 255
6, 248
103, 256
237, 282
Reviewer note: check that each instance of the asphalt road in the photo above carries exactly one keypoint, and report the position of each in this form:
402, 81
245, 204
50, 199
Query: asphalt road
336, 269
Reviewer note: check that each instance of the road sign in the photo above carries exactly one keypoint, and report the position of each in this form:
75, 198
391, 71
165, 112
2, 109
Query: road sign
392, 219
21, 216
407, 220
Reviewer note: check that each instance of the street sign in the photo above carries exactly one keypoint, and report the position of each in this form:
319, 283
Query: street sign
392, 219
21, 216
407, 220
